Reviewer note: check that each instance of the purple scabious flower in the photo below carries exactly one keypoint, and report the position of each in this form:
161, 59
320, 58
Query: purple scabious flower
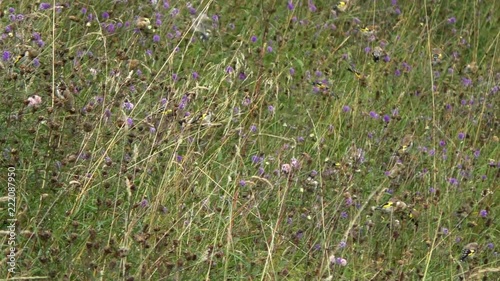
374, 115
253, 38
466, 82
311, 5
269, 49
452, 20
346, 108
195, 75
461, 136
44, 6
445, 230
156, 38
105, 15
290, 5
387, 118
292, 71
128, 105
6, 55
483, 213
243, 183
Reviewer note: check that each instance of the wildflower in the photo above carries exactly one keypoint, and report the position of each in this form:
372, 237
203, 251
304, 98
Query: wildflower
34, 101
195, 75
156, 38
253, 128
128, 105
483, 213
374, 115
105, 15
292, 71
44, 6
253, 38
311, 5
290, 5
130, 122
152, 130
453, 181
242, 76
6, 55
461, 136
144, 203
466, 82
295, 163
229, 69
342, 244
243, 183
386, 118
269, 49
286, 168
452, 20
445, 230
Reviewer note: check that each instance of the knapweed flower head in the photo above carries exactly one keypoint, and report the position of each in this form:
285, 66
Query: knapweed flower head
34, 101
483, 213
44, 6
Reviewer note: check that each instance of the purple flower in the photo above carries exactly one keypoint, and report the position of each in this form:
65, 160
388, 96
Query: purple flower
290, 5
6, 55
269, 49
44, 6
374, 115
477, 153
144, 203
367, 50
253, 38
128, 105
152, 130
11, 10
466, 82
461, 136
105, 15
452, 20
344, 215
253, 128
110, 28
346, 108
130, 122
286, 168
432, 190
229, 69
445, 230
178, 158
387, 118
397, 72
36, 62
156, 38
311, 5
270, 108
195, 75
442, 143
292, 71
342, 244
295, 163
242, 76
243, 183
453, 181
483, 213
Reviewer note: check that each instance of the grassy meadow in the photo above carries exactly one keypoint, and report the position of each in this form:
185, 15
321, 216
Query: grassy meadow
250, 140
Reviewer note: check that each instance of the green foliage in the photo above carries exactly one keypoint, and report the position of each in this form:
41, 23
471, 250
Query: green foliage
255, 143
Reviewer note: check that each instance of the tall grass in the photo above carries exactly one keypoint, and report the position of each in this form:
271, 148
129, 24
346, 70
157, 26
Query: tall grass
257, 142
